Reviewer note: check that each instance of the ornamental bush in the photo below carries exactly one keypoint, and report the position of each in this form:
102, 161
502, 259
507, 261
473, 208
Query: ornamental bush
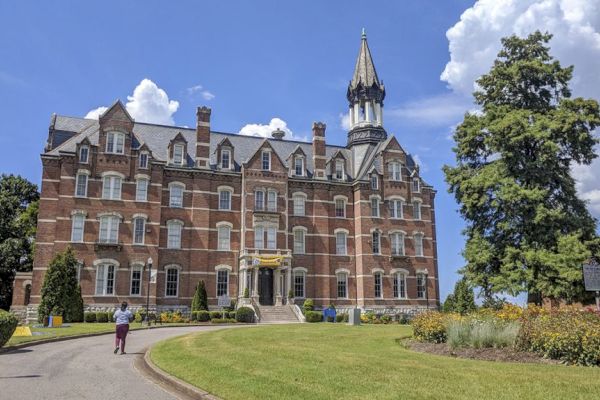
89, 317
101, 316
477, 333
430, 326
313, 316
222, 321
245, 314
309, 305
8, 324
343, 317
202, 316
60, 287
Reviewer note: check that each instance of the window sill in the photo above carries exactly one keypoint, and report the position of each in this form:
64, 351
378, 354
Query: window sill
107, 246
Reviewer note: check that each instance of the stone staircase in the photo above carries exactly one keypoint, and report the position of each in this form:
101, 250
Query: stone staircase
277, 314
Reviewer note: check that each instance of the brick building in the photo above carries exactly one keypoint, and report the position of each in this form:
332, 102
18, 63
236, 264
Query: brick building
275, 218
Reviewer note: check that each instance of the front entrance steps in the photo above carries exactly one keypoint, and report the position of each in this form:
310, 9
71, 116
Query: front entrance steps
277, 314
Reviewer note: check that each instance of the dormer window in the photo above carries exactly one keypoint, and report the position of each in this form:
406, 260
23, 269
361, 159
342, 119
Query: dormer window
226, 159
395, 171
416, 187
266, 160
144, 160
84, 152
374, 182
298, 166
115, 142
339, 170
178, 154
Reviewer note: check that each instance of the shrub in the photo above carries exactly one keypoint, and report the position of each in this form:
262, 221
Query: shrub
202, 316
200, 300
246, 293
343, 317
8, 324
222, 321
471, 332
139, 315
59, 287
313, 316
309, 305
386, 319
231, 314
216, 314
404, 319
101, 316
245, 314
89, 317
430, 326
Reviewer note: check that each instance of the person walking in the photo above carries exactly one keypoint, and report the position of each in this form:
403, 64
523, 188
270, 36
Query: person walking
122, 319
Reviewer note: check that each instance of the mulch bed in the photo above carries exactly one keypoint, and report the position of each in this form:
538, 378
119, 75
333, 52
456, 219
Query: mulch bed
488, 354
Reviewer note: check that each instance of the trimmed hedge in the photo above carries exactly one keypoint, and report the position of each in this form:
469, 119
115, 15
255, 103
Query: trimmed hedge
8, 324
245, 314
309, 305
222, 321
202, 316
343, 317
101, 316
313, 316
89, 317
215, 314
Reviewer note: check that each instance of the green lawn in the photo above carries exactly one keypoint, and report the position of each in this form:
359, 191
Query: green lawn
73, 330
327, 361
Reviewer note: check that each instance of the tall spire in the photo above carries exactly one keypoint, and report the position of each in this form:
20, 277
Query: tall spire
364, 70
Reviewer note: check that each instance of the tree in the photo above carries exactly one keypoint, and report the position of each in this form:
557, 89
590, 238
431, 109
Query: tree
527, 231
200, 300
448, 305
60, 288
18, 219
462, 300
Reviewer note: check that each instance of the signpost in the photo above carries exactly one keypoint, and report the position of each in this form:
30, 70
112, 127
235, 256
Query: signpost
223, 302
591, 279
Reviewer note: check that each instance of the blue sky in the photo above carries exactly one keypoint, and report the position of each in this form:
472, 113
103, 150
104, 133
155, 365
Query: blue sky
255, 61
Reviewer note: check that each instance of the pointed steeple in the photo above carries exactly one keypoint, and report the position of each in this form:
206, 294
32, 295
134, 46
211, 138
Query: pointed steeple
364, 70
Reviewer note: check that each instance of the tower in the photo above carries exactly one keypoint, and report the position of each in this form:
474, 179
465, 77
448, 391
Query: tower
365, 97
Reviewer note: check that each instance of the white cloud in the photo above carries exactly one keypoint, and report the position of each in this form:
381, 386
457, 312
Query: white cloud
440, 110
206, 95
345, 121
422, 166
149, 103
265, 131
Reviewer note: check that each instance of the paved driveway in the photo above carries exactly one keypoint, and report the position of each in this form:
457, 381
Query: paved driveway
83, 368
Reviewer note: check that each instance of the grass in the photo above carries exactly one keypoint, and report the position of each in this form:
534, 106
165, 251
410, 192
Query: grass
327, 361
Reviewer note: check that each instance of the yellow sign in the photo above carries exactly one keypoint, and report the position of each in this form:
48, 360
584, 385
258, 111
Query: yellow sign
56, 321
268, 261
22, 331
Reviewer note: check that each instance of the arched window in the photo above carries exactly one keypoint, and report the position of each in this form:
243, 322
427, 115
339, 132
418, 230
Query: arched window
84, 152
376, 242
299, 283
135, 283
115, 142
340, 206
342, 284
141, 189
374, 182
396, 208
109, 228
375, 207
395, 171
81, 183
259, 200
171, 281
223, 236
400, 285
77, 226
225, 158
111, 187
105, 278
299, 166
416, 209
225, 198
299, 240
174, 228
339, 170
271, 200
178, 154
418, 237
176, 190
397, 243
340, 242
378, 286
222, 280
143, 160
299, 204
139, 229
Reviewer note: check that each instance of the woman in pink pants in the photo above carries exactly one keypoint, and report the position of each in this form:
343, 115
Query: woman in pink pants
122, 319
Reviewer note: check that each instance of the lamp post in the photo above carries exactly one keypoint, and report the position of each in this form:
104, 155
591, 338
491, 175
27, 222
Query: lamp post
149, 262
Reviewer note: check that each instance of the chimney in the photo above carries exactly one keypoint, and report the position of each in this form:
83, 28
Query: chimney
203, 138
319, 159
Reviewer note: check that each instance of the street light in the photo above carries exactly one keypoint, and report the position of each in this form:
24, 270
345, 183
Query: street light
149, 262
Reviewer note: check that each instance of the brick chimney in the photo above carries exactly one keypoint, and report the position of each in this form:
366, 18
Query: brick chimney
203, 137
319, 158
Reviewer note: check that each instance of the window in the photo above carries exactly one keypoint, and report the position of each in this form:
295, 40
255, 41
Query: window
174, 234
374, 207
339, 170
222, 282
105, 280
418, 244
172, 282
397, 244
111, 189
340, 243
342, 285
141, 189
266, 160
84, 153
271, 237
224, 199
416, 210
299, 205
396, 209
223, 241
176, 195
79, 267
115, 143
109, 229
225, 159
178, 155
340, 208
299, 166
299, 241
376, 242
143, 160
81, 185
374, 182
416, 186
400, 285
77, 224
259, 200
377, 285
139, 229
259, 237
394, 169
421, 286
271, 200
135, 285
299, 284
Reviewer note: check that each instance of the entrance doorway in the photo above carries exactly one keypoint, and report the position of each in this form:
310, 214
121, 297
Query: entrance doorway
265, 286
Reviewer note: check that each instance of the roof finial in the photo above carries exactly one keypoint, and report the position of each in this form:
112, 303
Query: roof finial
364, 33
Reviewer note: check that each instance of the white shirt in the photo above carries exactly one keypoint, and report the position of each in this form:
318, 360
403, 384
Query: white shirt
122, 317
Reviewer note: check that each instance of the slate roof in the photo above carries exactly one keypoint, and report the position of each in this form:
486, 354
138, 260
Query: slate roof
364, 70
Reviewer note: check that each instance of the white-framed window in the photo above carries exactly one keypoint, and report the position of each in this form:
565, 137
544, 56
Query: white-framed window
222, 282
81, 184
395, 171
340, 243
299, 284
340, 208
416, 210
374, 207
84, 154
396, 209
171, 282
143, 160
259, 200
77, 227
418, 237
266, 160
299, 241
225, 158
259, 237
299, 205
374, 182
139, 230
224, 199
223, 237
271, 237
141, 189
111, 188
376, 242
377, 285
339, 170
397, 243
399, 285
105, 280
176, 195
115, 142
416, 185
174, 229
342, 285
271, 200
178, 156
421, 285
109, 229
299, 166
135, 281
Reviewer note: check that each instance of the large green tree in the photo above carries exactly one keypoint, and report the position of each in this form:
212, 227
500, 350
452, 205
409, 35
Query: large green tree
462, 300
18, 219
60, 292
527, 231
